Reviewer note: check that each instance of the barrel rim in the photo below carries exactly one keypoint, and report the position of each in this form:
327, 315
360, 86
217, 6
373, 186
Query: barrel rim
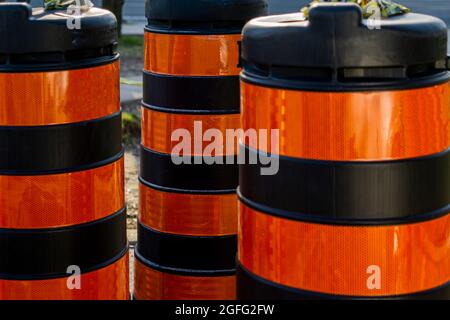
199, 32
334, 86
66, 66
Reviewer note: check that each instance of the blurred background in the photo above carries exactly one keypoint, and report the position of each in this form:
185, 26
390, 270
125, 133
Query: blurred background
439, 8
133, 10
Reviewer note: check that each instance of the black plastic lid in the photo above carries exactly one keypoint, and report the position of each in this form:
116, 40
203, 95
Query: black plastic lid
336, 50
202, 16
32, 39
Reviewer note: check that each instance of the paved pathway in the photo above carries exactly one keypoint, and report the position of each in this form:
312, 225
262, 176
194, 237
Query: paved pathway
130, 93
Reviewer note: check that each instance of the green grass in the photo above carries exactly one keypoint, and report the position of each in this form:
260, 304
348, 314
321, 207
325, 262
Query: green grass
130, 41
131, 127
131, 45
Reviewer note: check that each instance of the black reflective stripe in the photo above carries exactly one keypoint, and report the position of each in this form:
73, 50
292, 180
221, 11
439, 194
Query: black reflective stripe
183, 272
60, 148
159, 171
390, 192
29, 254
253, 287
189, 255
217, 95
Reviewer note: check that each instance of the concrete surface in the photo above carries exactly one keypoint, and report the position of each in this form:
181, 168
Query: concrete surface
134, 27
130, 93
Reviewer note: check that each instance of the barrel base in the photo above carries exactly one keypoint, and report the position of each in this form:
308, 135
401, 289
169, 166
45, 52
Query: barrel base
252, 287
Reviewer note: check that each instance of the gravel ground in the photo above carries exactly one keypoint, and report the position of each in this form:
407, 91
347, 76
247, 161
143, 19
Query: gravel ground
131, 52
132, 189
131, 56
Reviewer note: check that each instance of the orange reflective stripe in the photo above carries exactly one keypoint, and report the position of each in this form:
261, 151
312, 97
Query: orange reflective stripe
335, 259
192, 55
188, 214
61, 199
57, 97
109, 283
150, 284
359, 126
158, 127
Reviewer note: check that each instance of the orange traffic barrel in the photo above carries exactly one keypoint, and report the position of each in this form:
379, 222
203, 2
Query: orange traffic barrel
358, 207
187, 226
62, 213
